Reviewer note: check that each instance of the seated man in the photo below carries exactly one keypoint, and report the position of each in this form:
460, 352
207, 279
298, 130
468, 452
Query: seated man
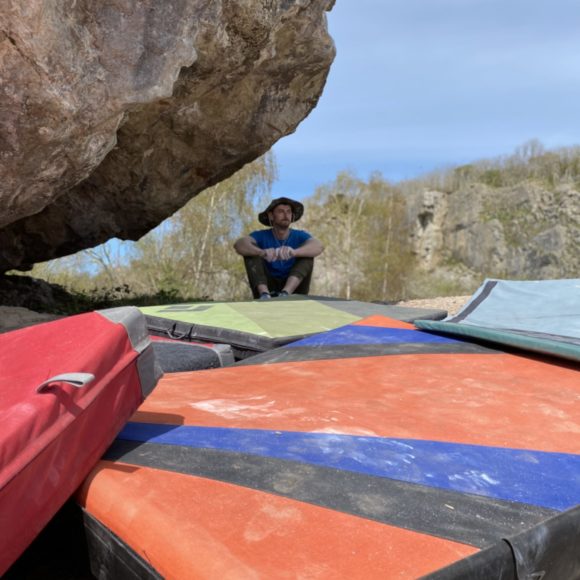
279, 260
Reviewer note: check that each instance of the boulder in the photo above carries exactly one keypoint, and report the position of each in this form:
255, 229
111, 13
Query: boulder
116, 113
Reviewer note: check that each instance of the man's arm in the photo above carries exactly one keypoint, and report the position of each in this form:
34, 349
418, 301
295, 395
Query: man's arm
309, 249
248, 247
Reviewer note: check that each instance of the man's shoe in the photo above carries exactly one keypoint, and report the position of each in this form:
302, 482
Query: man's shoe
265, 296
283, 294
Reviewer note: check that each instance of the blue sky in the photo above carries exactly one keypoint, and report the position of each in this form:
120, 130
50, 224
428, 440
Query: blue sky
424, 84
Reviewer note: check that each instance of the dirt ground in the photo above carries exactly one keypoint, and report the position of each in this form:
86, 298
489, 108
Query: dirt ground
452, 304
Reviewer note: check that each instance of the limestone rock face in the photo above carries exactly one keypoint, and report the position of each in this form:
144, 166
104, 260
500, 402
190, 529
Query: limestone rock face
426, 214
116, 113
527, 231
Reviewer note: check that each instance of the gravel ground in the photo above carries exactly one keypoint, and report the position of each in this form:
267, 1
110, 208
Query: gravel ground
453, 304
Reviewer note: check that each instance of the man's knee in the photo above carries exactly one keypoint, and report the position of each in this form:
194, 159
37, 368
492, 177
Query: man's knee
252, 261
303, 271
256, 272
302, 268
255, 267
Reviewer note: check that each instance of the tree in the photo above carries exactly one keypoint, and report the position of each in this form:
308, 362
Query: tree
336, 214
390, 262
189, 255
192, 254
367, 247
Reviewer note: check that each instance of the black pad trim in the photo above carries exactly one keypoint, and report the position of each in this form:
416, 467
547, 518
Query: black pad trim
176, 357
493, 563
465, 518
489, 286
548, 551
552, 546
342, 351
111, 558
197, 332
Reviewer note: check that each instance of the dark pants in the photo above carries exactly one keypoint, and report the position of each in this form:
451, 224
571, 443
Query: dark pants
258, 274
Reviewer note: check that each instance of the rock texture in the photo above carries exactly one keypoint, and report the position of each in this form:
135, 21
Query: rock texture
527, 231
116, 113
34, 294
13, 318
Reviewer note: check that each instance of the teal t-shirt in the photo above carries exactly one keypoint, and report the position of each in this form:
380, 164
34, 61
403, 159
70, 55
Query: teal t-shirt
265, 239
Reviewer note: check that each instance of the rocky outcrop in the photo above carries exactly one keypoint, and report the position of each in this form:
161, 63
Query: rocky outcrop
13, 318
37, 295
527, 231
115, 114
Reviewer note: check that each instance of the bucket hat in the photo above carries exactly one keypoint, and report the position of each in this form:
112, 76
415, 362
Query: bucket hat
297, 209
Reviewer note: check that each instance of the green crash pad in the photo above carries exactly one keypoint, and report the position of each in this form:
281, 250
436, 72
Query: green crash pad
259, 325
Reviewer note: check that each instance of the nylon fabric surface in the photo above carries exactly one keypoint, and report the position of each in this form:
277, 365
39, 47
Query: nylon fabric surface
535, 316
354, 335
51, 439
277, 318
252, 533
221, 314
467, 518
544, 306
550, 480
449, 444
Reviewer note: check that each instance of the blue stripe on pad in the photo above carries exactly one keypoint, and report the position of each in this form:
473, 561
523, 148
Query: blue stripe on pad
356, 334
550, 480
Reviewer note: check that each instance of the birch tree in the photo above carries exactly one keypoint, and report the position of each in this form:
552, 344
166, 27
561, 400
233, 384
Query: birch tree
193, 255
335, 215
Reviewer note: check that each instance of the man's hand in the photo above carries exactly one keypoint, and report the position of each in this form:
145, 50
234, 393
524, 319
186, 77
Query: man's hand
270, 254
285, 253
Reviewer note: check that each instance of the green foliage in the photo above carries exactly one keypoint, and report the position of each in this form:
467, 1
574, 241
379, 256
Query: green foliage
367, 254
529, 162
432, 285
59, 300
335, 214
492, 177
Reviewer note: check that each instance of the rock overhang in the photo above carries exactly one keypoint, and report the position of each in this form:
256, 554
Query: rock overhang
119, 113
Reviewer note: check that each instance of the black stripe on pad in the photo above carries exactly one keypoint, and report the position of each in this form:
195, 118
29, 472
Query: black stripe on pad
465, 518
489, 286
340, 351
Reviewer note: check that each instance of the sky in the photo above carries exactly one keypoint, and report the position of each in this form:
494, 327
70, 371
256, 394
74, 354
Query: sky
419, 85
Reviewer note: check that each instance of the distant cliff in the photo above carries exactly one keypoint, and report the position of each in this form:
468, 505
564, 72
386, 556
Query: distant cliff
525, 231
